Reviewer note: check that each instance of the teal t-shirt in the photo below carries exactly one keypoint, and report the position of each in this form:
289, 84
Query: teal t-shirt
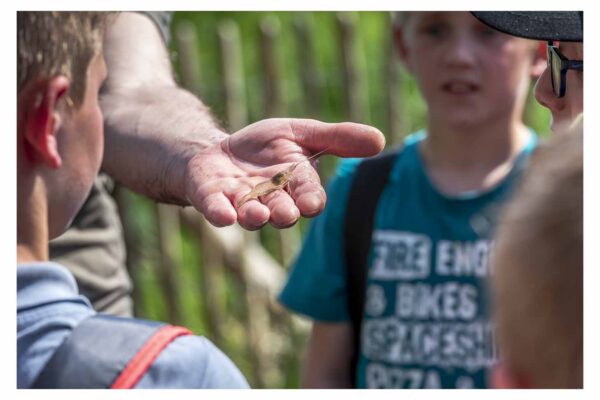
425, 322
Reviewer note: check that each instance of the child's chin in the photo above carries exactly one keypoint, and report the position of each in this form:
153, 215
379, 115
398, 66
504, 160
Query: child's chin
463, 121
71, 212
57, 228
560, 124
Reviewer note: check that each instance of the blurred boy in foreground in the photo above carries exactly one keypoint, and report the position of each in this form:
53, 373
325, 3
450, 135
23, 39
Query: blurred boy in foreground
537, 284
538, 280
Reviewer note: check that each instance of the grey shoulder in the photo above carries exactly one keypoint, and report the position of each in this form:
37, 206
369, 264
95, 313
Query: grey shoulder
162, 19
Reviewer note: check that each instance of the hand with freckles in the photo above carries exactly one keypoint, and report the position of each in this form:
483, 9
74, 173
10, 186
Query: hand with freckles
217, 177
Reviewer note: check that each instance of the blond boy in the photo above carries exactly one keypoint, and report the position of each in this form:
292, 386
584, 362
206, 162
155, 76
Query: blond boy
538, 280
425, 322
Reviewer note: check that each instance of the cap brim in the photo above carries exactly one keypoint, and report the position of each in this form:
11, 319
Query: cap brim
539, 25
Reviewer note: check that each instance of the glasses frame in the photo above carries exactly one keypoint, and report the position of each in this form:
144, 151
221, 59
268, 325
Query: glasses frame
565, 65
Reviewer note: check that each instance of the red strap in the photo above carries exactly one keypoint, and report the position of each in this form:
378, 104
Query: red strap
139, 364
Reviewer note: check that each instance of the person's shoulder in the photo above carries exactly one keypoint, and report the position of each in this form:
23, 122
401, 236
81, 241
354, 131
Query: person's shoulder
192, 362
162, 20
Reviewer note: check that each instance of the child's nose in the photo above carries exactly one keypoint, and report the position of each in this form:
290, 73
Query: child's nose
461, 51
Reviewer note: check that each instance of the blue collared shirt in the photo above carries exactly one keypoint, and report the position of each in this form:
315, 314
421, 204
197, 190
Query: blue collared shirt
49, 307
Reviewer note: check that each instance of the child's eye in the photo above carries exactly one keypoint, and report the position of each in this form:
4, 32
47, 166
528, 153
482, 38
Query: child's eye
434, 30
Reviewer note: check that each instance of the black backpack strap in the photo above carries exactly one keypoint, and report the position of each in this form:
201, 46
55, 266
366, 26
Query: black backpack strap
104, 350
369, 180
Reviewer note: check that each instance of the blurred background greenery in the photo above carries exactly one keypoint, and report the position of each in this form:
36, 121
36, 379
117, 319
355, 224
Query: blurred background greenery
247, 66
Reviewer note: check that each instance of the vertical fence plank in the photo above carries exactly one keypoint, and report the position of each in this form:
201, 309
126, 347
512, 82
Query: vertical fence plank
349, 71
308, 72
269, 31
133, 244
187, 45
169, 232
233, 75
212, 270
352, 58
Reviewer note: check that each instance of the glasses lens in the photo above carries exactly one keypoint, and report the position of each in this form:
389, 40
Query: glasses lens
554, 61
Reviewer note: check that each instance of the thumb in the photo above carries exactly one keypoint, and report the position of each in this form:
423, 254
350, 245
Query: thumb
344, 139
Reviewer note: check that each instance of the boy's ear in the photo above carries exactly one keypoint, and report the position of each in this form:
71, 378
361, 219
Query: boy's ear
502, 377
41, 119
400, 46
539, 61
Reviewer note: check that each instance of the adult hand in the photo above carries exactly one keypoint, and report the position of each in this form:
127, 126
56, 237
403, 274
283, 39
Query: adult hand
218, 176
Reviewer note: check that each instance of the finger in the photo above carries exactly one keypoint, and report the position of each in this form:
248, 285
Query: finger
345, 139
253, 215
307, 192
213, 200
312, 199
284, 212
217, 209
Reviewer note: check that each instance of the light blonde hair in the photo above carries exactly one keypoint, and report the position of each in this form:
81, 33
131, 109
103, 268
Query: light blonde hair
537, 284
51, 43
400, 19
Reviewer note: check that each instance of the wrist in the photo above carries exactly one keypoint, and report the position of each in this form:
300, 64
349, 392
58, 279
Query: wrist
217, 136
176, 172
194, 152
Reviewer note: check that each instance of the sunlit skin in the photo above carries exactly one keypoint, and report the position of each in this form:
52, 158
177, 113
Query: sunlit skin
467, 71
59, 154
475, 81
564, 109
81, 145
187, 159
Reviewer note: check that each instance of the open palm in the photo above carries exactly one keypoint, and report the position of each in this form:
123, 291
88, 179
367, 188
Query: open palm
217, 177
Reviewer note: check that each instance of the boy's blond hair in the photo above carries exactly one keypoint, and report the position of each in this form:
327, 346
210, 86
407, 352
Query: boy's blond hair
399, 18
51, 43
538, 269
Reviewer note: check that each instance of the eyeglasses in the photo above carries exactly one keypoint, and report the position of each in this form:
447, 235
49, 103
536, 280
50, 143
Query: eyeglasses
559, 65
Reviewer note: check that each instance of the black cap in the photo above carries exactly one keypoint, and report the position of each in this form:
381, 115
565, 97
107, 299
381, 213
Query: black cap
540, 25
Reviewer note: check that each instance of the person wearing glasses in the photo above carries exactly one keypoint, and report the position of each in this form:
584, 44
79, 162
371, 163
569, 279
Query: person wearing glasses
560, 87
537, 286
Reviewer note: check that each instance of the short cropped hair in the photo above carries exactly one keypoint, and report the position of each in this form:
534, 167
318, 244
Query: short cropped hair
51, 43
399, 18
537, 283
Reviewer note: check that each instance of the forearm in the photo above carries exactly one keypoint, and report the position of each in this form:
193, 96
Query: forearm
328, 357
152, 126
151, 133
160, 139
318, 379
